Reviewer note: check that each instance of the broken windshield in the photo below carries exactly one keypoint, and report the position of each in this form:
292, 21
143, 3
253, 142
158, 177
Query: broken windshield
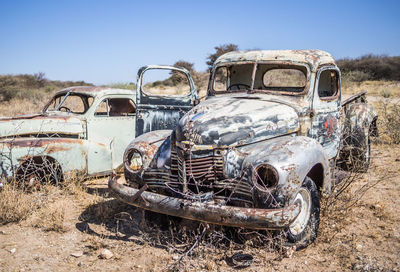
260, 77
69, 102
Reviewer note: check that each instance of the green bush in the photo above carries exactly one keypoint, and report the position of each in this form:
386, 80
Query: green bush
29, 86
371, 67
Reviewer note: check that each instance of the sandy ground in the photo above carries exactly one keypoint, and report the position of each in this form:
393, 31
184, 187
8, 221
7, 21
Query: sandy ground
365, 237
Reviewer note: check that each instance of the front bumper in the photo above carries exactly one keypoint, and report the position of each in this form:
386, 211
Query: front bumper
251, 218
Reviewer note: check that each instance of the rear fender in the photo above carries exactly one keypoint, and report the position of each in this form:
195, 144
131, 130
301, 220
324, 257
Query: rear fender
360, 115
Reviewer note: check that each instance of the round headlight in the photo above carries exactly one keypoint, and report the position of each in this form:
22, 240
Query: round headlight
265, 177
134, 161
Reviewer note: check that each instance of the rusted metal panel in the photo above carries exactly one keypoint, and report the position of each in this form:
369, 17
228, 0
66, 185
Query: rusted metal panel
158, 112
80, 141
315, 58
213, 154
206, 211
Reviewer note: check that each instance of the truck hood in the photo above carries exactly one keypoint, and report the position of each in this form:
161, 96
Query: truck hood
229, 121
41, 124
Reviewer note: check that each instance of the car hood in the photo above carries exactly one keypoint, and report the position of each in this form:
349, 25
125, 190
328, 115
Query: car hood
41, 124
229, 121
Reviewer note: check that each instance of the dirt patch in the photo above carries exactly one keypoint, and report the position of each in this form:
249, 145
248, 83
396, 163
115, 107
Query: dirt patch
77, 223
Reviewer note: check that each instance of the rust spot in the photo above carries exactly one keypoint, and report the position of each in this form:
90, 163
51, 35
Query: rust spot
58, 148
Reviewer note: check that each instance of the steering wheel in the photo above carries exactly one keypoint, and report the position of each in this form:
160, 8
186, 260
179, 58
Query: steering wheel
237, 85
65, 108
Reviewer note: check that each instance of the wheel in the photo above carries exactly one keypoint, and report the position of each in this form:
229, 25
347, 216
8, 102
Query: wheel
304, 229
37, 171
362, 153
355, 155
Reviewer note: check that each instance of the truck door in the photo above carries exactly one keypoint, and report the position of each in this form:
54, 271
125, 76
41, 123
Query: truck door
164, 95
326, 108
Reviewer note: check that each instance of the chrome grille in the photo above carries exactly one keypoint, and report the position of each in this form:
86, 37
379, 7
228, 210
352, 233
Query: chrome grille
204, 170
203, 173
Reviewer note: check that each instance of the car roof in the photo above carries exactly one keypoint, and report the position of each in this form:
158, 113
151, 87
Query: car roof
314, 58
96, 91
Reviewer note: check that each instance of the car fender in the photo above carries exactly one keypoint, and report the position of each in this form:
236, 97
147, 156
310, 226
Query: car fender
294, 158
360, 115
148, 145
69, 153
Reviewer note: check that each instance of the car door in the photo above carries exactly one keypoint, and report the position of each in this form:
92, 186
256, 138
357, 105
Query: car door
110, 128
164, 95
326, 110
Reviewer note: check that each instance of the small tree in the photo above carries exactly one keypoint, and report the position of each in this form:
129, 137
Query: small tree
40, 79
184, 64
220, 50
178, 77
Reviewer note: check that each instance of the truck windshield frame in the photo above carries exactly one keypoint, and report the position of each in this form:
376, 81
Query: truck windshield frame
253, 82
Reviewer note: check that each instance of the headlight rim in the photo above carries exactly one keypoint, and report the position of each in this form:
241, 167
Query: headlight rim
127, 159
264, 188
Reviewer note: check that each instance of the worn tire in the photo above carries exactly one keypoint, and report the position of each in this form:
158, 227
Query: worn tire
303, 231
360, 155
37, 171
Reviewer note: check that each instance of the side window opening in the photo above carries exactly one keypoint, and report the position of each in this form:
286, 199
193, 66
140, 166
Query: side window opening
221, 79
161, 82
116, 107
328, 84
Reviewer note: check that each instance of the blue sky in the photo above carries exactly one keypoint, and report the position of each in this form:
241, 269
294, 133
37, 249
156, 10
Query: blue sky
107, 41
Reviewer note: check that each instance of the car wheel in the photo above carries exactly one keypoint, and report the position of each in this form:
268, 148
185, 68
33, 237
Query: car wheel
38, 170
303, 230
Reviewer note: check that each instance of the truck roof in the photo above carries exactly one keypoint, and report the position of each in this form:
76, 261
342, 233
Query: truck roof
95, 91
314, 58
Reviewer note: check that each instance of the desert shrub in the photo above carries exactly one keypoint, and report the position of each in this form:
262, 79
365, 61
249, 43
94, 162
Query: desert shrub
32, 87
386, 93
389, 121
355, 76
371, 67
52, 217
16, 205
123, 85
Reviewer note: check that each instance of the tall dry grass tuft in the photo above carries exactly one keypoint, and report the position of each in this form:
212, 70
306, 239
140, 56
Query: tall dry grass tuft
389, 121
52, 217
16, 205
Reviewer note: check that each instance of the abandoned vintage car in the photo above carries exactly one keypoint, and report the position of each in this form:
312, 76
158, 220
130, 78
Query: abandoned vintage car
259, 151
84, 129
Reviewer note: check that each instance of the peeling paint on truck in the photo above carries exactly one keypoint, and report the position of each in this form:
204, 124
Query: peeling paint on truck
249, 149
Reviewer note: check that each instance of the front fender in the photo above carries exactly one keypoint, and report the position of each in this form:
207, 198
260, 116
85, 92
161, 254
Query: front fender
69, 153
293, 157
148, 145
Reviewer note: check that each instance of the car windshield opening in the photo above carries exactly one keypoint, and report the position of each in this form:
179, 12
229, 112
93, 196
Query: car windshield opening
268, 77
70, 102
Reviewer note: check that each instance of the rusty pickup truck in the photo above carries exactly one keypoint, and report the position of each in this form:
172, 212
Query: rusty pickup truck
260, 151
81, 129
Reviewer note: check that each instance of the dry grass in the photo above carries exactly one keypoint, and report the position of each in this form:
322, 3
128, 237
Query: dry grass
44, 208
51, 217
16, 107
376, 88
16, 205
